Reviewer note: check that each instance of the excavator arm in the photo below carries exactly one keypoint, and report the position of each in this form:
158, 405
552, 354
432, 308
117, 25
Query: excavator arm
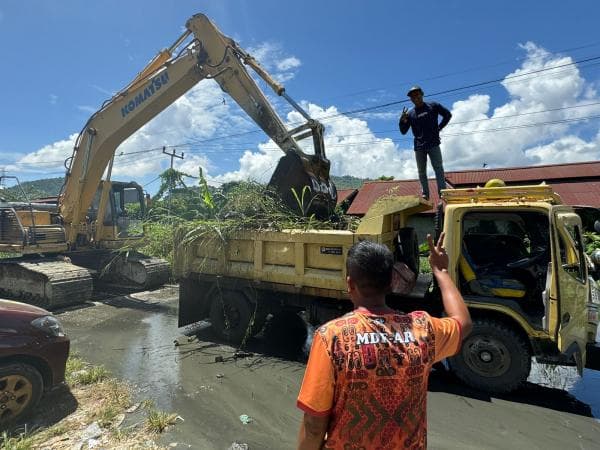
168, 76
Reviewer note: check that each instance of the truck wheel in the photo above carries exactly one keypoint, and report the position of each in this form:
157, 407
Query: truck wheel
494, 358
286, 333
234, 318
21, 388
409, 244
230, 316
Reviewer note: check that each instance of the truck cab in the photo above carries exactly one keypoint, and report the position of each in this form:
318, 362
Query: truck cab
517, 255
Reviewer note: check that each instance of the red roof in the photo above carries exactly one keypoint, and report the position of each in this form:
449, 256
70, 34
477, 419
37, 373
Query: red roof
371, 191
546, 173
579, 193
343, 194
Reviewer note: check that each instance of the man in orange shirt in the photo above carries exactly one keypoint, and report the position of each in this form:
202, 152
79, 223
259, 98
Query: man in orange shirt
365, 385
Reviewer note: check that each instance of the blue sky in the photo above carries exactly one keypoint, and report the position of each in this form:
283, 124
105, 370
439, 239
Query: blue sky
62, 59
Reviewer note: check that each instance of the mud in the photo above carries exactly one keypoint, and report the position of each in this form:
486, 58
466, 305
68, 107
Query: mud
137, 338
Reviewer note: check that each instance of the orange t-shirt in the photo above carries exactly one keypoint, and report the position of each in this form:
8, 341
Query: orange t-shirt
369, 373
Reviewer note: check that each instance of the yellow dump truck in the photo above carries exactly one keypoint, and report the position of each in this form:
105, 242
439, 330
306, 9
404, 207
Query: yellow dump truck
516, 254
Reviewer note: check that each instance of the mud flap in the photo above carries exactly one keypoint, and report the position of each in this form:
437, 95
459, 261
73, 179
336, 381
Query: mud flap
592, 360
194, 301
308, 177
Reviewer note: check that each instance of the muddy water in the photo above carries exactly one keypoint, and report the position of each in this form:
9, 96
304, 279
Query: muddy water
137, 338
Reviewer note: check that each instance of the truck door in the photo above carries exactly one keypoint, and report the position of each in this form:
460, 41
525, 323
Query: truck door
570, 285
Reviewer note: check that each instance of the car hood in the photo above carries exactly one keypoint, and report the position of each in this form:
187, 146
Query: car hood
9, 305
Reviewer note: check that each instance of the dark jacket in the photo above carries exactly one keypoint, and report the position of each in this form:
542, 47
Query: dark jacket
424, 124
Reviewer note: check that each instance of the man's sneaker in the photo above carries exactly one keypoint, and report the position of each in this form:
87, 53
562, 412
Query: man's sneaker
425, 196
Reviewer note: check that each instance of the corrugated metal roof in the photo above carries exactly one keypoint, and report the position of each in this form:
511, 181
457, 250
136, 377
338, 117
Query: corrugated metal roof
546, 173
343, 194
584, 193
373, 190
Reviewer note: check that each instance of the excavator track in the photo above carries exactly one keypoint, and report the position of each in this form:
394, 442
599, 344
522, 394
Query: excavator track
49, 283
127, 270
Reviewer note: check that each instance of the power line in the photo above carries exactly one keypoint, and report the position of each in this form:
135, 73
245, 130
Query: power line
460, 72
381, 106
132, 161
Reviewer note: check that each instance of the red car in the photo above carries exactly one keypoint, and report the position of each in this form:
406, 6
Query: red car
33, 357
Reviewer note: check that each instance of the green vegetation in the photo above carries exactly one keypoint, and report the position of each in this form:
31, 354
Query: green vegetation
80, 373
23, 441
592, 242
348, 182
48, 187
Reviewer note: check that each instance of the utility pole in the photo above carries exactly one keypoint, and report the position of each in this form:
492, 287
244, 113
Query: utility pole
172, 155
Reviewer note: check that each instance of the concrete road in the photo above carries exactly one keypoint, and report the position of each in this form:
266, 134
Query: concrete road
136, 337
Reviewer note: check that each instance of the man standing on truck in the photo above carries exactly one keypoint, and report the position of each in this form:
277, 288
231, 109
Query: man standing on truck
423, 119
365, 384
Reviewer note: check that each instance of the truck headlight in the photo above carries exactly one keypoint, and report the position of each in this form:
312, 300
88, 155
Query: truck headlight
50, 325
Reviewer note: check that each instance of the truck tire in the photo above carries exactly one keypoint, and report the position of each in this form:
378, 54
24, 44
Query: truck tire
230, 316
286, 334
21, 387
494, 358
409, 244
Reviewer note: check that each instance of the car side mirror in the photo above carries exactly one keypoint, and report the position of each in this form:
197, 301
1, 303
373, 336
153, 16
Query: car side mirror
597, 226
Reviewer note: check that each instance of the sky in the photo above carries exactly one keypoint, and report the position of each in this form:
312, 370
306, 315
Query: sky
522, 79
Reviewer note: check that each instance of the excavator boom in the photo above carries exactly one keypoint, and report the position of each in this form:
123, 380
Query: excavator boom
209, 55
88, 229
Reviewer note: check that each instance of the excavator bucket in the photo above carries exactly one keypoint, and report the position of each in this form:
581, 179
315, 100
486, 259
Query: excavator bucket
303, 183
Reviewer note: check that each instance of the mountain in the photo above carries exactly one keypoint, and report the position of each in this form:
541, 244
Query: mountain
48, 187
347, 182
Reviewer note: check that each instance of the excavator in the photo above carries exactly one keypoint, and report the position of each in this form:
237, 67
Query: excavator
59, 248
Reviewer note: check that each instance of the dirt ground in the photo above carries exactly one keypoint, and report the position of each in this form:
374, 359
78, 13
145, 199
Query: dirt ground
186, 372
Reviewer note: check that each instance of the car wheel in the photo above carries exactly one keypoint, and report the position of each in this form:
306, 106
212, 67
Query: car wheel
21, 388
230, 316
494, 358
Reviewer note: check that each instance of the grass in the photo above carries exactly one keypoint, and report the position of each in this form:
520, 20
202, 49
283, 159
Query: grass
79, 373
158, 421
23, 441
115, 396
100, 399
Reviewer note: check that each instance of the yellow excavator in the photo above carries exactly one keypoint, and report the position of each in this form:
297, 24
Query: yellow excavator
59, 247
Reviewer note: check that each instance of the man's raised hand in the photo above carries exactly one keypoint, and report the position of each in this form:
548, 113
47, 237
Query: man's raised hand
404, 116
438, 258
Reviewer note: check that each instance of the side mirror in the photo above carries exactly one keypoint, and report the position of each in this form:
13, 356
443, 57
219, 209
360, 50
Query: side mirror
597, 226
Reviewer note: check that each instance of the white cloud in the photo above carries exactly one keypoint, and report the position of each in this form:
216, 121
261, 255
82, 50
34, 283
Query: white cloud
274, 59
288, 63
353, 149
350, 146
470, 146
87, 109
53, 99
49, 158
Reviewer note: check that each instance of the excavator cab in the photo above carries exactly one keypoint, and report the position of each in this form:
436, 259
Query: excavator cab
124, 210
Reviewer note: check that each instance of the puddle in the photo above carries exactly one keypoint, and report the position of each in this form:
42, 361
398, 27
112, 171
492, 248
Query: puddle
152, 358
585, 389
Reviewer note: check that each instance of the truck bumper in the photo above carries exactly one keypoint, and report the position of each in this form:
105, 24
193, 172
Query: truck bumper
592, 359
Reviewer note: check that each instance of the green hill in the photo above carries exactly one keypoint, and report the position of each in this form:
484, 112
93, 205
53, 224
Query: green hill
47, 187
347, 182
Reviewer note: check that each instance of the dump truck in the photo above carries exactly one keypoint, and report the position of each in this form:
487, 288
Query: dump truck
58, 248
516, 254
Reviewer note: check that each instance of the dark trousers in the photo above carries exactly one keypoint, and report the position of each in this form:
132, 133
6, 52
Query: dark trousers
435, 156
